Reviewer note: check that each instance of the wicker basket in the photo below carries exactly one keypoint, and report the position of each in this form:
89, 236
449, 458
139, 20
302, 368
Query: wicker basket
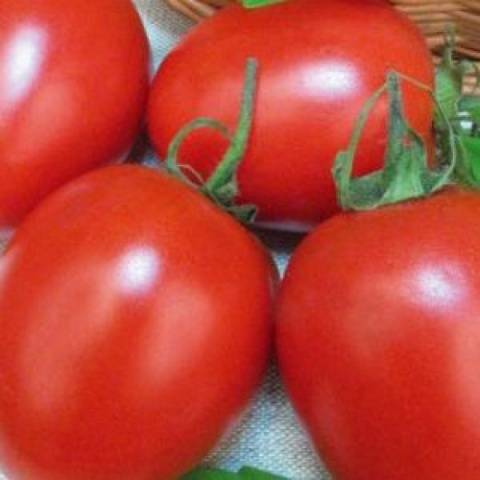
431, 15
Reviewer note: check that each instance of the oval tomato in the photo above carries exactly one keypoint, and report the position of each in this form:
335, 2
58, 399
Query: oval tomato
135, 326
319, 62
379, 340
73, 86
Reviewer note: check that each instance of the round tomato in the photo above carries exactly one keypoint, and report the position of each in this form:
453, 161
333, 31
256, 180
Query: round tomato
135, 326
379, 340
73, 87
319, 62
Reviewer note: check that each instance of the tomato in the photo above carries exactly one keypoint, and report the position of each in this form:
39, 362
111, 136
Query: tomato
73, 87
319, 62
379, 340
135, 326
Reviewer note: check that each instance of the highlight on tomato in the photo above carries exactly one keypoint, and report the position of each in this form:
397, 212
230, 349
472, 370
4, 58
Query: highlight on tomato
73, 87
378, 318
135, 327
318, 62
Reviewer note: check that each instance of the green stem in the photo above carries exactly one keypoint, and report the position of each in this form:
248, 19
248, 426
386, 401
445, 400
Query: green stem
406, 174
259, 3
343, 168
222, 186
171, 162
239, 142
427, 89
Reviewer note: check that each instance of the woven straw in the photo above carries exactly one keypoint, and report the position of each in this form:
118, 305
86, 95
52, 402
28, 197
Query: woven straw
432, 16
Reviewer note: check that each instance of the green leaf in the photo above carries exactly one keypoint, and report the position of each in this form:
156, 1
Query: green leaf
470, 105
246, 473
463, 112
468, 169
449, 84
450, 77
259, 3
202, 474
245, 213
406, 174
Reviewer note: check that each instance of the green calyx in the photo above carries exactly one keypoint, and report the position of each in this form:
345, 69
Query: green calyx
462, 112
406, 174
259, 3
222, 185
246, 473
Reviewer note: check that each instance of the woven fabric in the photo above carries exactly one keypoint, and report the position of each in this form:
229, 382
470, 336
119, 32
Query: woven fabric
268, 435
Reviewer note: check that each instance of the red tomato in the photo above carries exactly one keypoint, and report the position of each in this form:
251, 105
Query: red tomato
379, 340
319, 62
135, 326
73, 86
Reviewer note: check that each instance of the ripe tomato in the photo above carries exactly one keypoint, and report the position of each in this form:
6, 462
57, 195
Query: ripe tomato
319, 62
135, 326
73, 86
379, 340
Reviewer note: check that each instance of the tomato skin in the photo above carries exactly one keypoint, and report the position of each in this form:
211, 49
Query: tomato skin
378, 338
319, 62
72, 95
135, 326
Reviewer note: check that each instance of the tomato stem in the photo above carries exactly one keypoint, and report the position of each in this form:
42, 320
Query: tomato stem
406, 174
171, 162
222, 186
259, 3
238, 145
